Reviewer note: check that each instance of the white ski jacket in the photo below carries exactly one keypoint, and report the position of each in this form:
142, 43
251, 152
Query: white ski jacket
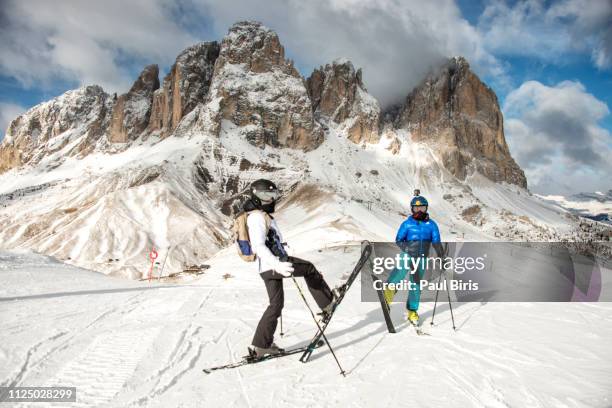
256, 225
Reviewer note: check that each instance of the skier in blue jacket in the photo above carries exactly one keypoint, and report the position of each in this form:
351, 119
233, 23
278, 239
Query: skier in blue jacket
414, 237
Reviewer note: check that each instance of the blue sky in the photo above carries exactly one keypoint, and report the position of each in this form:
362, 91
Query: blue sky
532, 53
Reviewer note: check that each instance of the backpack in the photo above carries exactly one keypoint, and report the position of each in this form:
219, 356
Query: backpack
241, 235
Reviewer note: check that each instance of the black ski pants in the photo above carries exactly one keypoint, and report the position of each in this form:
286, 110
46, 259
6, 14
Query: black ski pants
320, 291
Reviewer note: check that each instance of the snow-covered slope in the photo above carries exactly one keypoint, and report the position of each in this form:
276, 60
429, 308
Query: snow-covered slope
597, 206
130, 344
106, 211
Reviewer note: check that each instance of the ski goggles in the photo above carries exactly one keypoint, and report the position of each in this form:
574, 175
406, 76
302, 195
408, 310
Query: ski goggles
267, 197
421, 208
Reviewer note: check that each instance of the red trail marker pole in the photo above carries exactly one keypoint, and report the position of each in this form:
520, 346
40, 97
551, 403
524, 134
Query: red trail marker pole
152, 256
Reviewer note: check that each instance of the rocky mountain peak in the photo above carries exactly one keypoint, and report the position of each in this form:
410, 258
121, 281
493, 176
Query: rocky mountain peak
73, 122
257, 46
455, 110
332, 89
338, 94
132, 110
147, 82
260, 92
458, 63
185, 86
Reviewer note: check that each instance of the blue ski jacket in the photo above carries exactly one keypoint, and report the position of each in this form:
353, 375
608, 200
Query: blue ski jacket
415, 237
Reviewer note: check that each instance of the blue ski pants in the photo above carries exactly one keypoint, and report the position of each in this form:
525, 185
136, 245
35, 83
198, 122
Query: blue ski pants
398, 274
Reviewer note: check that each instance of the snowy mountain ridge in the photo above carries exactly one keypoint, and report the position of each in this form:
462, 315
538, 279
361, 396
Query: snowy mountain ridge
596, 206
93, 183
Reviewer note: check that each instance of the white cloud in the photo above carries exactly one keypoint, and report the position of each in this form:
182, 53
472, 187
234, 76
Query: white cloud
8, 112
86, 42
549, 31
555, 135
395, 42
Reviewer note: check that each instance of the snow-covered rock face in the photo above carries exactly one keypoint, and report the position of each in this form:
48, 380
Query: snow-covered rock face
72, 123
256, 46
132, 110
257, 89
338, 94
185, 86
455, 110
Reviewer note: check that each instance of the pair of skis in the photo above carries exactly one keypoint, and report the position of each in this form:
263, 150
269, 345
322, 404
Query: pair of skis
317, 340
253, 360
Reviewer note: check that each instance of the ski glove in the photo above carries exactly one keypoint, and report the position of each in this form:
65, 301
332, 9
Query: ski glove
284, 268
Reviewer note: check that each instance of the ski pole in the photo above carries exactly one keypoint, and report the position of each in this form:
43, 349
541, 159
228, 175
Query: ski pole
163, 264
281, 324
450, 306
436, 301
318, 326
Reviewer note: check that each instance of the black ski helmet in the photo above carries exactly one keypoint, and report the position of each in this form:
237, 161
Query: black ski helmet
264, 194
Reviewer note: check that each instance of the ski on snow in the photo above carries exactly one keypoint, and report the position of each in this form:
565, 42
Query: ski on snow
365, 255
419, 330
385, 307
254, 360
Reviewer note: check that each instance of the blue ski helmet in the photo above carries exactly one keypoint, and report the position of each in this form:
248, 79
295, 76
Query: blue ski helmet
418, 201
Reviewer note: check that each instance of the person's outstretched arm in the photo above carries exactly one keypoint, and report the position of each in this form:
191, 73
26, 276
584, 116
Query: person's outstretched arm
435, 239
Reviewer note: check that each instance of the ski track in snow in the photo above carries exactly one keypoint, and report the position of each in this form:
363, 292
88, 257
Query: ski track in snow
26, 364
65, 343
182, 350
102, 369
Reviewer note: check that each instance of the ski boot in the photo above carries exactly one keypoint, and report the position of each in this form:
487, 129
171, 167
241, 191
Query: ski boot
259, 352
327, 311
338, 291
413, 317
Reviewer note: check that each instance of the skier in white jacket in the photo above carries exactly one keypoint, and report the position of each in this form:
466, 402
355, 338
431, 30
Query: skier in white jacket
273, 264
